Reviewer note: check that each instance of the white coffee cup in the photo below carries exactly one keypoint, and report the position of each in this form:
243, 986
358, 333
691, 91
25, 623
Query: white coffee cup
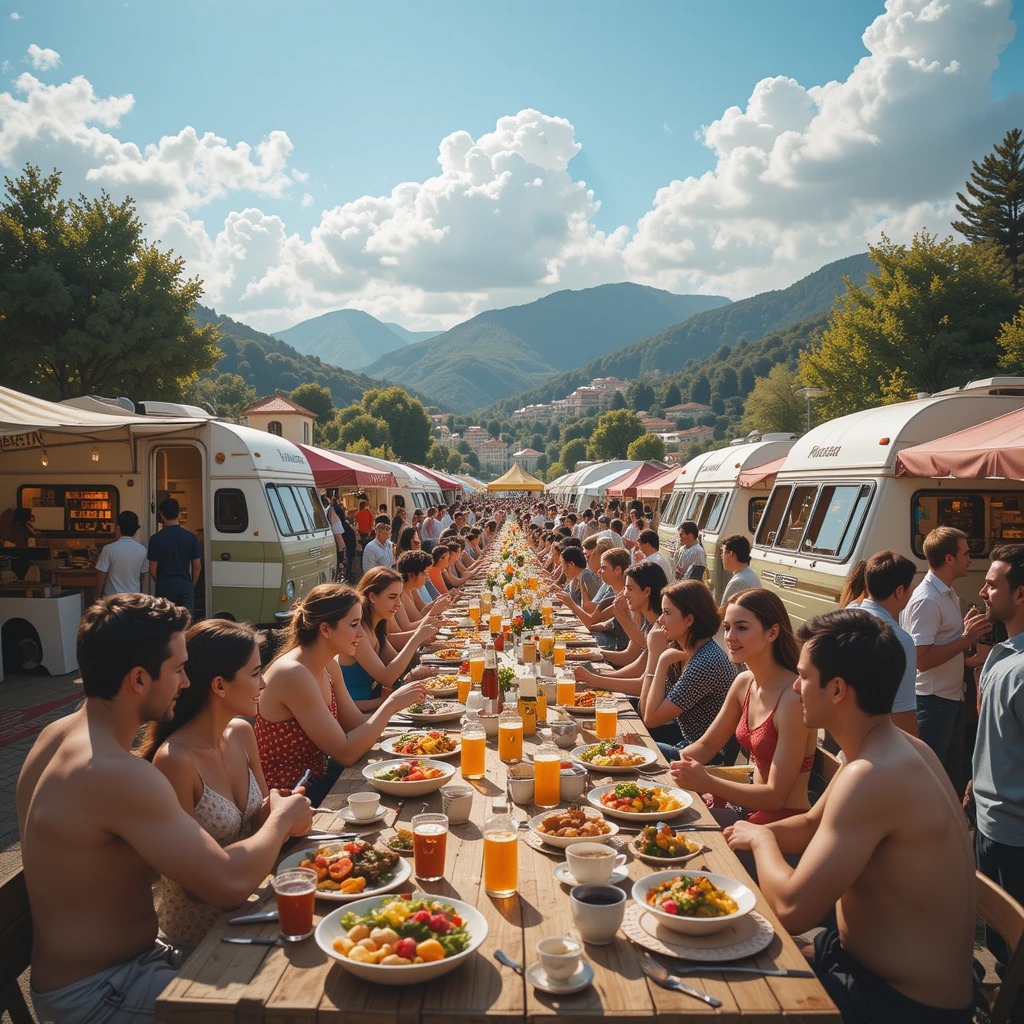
559, 956
592, 862
364, 806
457, 803
597, 911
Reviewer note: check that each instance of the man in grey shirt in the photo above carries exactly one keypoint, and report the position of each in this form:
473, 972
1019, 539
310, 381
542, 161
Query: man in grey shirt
735, 555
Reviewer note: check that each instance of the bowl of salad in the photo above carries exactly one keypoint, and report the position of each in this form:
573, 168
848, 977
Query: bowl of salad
410, 776
402, 940
697, 903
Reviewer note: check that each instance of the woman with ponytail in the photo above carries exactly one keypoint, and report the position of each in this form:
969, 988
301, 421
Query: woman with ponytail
306, 715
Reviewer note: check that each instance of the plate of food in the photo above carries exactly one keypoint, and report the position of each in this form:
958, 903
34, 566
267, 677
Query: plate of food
633, 802
401, 842
613, 757
435, 711
700, 903
444, 656
584, 705
662, 844
573, 638
409, 776
442, 686
351, 871
434, 743
575, 825
415, 937
584, 653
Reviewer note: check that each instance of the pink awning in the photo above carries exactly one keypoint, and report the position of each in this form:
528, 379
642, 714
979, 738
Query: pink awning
656, 486
332, 469
626, 486
760, 474
994, 448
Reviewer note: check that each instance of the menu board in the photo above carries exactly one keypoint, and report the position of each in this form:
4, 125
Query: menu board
72, 510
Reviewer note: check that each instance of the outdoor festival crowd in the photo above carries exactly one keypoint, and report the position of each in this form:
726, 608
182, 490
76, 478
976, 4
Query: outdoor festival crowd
186, 756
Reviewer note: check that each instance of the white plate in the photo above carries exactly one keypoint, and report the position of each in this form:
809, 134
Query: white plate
535, 842
649, 757
683, 798
561, 842
566, 877
578, 712
402, 870
538, 977
388, 746
749, 935
454, 711
583, 653
682, 924
330, 929
418, 788
346, 813
660, 861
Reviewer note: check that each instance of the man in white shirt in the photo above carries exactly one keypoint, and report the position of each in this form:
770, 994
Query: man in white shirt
691, 563
941, 635
648, 544
123, 562
430, 529
608, 533
379, 551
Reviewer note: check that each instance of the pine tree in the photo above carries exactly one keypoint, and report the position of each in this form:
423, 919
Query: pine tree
993, 209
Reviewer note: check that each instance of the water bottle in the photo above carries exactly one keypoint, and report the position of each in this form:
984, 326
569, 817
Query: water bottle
474, 746
501, 851
547, 766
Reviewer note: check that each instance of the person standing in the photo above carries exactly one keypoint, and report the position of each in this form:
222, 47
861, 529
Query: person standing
648, 544
691, 562
364, 522
941, 635
735, 555
123, 562
379, 551
175, 558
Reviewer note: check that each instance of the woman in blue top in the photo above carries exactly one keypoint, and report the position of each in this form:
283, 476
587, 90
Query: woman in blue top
372, 674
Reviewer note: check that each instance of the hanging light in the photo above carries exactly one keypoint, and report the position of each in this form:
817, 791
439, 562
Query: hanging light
95, 455
44, 457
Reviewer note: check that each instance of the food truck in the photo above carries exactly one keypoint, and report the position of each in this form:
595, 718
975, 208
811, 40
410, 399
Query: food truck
838, 497
248, 496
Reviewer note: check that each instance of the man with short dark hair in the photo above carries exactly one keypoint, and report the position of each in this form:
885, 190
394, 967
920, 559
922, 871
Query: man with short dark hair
648, 544
735, 555
122, 563
95, 954
175, 558
691, 562
578, 578
886, 845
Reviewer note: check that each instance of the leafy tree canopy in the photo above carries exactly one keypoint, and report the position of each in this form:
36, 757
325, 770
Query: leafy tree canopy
647, 447
573, 451
616, 430
410, 425
316, 398
86, 304
773, 404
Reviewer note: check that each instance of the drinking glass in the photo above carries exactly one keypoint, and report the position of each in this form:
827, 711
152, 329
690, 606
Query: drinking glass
559, 653
296, 895
529, 650
429, 842
606, 715
547, 611
476, 664
465, 684
501, 862
566, 692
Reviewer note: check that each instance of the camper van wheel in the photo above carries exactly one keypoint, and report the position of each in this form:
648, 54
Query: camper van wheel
22, 650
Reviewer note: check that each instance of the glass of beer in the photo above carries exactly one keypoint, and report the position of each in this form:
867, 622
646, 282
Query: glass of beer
566, 690
473, 611
606, 715
495, 623
476, 664
547, 611
546, 643
429, 842
465, 684
296, 895
559, 653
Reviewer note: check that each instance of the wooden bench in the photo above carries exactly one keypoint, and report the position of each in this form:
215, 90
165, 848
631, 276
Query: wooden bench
826, 764
15, 946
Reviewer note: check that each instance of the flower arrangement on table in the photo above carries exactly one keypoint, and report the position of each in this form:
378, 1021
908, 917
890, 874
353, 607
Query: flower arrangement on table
506, 678
518, 624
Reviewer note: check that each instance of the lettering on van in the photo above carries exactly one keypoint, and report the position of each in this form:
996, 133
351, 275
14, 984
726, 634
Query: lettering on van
289, 457
711, 467
824, 453
10, 442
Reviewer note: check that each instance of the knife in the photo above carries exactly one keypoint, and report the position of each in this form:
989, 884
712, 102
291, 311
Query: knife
256, 940
266, 915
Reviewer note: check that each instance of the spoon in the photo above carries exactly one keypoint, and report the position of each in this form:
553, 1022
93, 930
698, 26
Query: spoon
503, 958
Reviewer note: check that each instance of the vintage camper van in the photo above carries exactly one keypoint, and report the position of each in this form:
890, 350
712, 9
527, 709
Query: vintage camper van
249, 496
837, 498
414, 490
723, 493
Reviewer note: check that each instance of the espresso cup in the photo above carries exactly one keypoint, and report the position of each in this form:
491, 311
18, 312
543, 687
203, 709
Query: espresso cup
457, 802
363, 805
559, 956
597, 911
592, 862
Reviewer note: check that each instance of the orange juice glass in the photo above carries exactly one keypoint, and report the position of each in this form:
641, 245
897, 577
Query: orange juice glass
465, 684
547, 612
476, 666
542, 706
474, 756
501, 863
559, 654
606, 718
495, 623
473, 611
547, 645
510, 740
566, 692
546, 781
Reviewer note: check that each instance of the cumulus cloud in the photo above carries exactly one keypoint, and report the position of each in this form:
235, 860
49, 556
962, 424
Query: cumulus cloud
43, 60
802, 173
15, 16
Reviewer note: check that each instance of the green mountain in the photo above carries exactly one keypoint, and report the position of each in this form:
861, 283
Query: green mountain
269, 364
738, 323
497, 352
344, 337
411, 337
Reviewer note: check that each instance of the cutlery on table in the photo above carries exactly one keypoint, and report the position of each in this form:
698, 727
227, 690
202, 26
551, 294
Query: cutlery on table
503, 958
265, 915
721, 968
316, 837
255, 940
660, 976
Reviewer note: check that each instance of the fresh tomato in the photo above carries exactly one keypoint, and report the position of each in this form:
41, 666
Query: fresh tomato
415, 777
420, 915
670, 906
439, 923
340, 869
406, 947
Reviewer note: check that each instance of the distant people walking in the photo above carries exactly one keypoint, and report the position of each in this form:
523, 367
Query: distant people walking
175, 558
123, 562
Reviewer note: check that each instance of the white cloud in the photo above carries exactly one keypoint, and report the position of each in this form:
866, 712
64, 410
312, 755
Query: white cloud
15, 16
43, 60
802, 174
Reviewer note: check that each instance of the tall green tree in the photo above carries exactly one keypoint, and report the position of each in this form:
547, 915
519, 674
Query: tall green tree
227, 394
317, 399
639, 396
931, 313
993, 208
372, 430
408, 420
616, 430
647, 447
672, 395
86, 304
700, 389
773, 404
573, 451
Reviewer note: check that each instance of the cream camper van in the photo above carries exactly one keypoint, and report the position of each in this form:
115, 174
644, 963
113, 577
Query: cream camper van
837, 499
722, 492
249, 496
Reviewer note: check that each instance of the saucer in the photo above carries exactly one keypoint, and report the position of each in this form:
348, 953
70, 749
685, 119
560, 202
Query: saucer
566, 877
538, 977
346, 814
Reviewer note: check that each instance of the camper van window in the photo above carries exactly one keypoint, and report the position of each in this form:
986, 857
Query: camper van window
671, 515
791, 530
769, 526
695, 505
296, 520
966, 511
714, 508
230, 513
314, 508
837, 517
755, 510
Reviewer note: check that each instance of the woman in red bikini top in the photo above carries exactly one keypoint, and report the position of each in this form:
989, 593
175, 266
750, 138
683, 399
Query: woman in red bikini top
305, 714
764, 711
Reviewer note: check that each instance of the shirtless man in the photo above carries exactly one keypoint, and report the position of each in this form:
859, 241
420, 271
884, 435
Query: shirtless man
886, 844
105, 821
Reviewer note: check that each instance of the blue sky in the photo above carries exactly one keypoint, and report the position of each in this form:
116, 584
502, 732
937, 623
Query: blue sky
290, 152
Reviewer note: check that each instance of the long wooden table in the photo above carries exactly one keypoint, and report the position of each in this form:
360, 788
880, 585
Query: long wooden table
241, 984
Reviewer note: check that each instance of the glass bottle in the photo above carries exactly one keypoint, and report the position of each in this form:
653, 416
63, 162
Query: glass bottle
501, 851
528, 705
547, 766
474, 746
489, 678
510, 735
